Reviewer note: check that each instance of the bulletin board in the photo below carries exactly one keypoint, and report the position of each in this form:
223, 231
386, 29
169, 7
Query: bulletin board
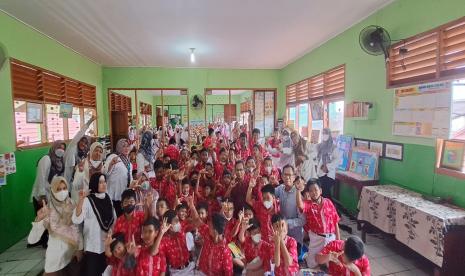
423, 110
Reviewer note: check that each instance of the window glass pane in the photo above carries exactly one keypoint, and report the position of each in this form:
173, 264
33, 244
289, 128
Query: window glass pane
26, 133
303, 120
74, 124
336, 117
317, 125
88, 113
269, 113
54, 123
458, 111
292, 115
259, 112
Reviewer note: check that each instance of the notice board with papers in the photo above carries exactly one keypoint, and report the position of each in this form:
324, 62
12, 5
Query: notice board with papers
423, 110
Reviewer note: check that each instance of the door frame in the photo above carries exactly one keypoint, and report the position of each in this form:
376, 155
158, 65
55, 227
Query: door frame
253, 102
109, 90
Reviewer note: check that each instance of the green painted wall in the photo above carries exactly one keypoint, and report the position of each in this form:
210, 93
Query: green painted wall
24, 43
365, 80
195, 80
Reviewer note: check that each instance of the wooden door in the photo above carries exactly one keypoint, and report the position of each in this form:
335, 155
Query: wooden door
120, 126
230, 113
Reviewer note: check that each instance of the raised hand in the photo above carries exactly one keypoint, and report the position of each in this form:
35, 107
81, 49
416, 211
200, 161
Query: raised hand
253, 182
300, 186
334, 257
276, 236
165, 226
240, 215
131, 246
149, 200
43, 212
109, 239
83, 193
190, 201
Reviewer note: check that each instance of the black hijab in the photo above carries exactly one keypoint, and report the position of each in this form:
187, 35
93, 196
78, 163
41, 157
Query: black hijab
103, 208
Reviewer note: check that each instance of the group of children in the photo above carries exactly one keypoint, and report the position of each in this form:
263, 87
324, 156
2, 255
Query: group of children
213, 211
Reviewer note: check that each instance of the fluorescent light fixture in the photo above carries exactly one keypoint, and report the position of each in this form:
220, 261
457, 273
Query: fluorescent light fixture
192, 55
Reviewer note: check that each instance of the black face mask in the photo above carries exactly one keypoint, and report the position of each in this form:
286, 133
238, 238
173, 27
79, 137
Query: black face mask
129, 208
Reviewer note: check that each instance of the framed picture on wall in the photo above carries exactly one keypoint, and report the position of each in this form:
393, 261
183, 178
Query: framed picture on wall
452, 155
394, 151
378, 147
362, 144
34, 113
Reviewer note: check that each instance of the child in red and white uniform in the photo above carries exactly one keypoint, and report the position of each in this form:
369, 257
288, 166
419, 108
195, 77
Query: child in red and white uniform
257, 252
285, 248
270, 171
175, 248
345, 258
321, 220
150, 262
215, 258
120, 256
264, 207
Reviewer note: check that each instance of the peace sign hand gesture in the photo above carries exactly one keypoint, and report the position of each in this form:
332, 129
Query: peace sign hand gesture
43, 212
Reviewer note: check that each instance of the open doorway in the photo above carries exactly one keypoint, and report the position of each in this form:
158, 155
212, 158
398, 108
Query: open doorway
250, 108
134, 109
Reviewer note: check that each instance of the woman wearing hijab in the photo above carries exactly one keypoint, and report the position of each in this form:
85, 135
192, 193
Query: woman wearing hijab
327, 160
90, 165
97, 213
118, 169
304, 156
77, 151
65, 239
146, 153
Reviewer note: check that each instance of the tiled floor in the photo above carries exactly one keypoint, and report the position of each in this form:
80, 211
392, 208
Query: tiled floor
387, 257
19, 260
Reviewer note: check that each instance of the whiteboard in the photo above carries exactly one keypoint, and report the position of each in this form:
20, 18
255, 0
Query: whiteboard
423, 110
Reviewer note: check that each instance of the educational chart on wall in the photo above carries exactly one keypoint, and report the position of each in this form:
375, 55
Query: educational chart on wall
344, 146
364, 164
423, 110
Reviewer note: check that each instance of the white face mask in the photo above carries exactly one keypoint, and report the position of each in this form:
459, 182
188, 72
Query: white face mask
195, 162
325, 137
256, 238
176, 227
59, 152
268, 170
100, 195
95, 163
61, 195
268, 204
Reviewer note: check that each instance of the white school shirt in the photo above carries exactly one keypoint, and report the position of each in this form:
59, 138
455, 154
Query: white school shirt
117, 177
94, 236
69, 158
41, 185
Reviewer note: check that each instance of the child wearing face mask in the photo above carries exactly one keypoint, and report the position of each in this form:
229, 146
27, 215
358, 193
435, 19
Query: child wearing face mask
265, 207
257, 252
130, 222
175, 248
321, 220
121, 256
270, 171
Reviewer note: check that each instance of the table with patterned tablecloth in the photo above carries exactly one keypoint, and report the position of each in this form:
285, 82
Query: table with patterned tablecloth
418, 223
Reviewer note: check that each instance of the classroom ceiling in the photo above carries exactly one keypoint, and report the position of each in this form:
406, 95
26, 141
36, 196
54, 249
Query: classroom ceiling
265, 34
